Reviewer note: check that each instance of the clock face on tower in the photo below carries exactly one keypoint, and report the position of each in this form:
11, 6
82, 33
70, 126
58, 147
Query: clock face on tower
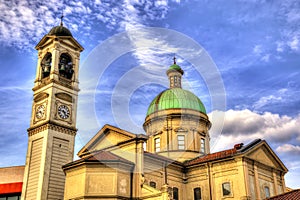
40, 112
63, 112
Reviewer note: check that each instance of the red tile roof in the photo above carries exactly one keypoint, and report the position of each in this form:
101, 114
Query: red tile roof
11, 188
292, 195
103, 156
159, 157
212, 156
100, 156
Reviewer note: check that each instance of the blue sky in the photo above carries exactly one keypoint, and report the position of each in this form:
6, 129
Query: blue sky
254, 45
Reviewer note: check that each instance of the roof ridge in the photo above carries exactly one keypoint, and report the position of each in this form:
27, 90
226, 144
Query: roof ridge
283, 194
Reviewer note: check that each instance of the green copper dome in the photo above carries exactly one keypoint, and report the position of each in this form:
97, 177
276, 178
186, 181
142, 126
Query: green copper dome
176, 67
176, 98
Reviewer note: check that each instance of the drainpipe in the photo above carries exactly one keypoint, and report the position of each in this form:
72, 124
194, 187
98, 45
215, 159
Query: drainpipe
209, 181
166, 176
131, 183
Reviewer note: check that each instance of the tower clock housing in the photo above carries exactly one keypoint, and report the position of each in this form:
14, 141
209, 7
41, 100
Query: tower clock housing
52, 128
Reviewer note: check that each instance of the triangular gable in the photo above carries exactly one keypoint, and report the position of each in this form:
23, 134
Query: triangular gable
107, 136
48, 38
263, 153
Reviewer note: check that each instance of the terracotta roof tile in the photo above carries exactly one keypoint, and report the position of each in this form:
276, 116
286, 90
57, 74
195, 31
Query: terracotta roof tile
161, 157
212, 156
292, 195
103, 156
100, 156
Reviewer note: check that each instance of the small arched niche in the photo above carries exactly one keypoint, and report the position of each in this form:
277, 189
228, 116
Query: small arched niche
65, 66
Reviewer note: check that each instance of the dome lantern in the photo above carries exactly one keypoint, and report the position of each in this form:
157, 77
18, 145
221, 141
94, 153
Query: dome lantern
176, 121
174, 73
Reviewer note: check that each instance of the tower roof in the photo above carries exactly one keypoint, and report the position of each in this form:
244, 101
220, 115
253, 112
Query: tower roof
60, 31
175, 67
176, 98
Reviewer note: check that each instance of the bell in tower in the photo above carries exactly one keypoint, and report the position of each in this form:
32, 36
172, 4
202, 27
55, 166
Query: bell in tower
52, 130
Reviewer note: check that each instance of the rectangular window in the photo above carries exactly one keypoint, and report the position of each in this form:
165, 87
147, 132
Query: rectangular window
175, 193
202, 145
13, 198
181, 145
197, 193
157, 144
226, 189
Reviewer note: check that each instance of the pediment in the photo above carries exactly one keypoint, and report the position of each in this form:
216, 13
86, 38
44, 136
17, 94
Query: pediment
68, 40
107, 136
263, 153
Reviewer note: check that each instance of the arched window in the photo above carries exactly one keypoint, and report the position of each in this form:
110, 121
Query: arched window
175, 193
153, 184
175, 81
197, 193
157, 144
181, 142
65, 66
267, 191
202, 145
46, 65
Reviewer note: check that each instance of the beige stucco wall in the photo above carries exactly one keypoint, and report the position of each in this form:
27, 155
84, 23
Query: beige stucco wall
11, 174
95, 180
191, 124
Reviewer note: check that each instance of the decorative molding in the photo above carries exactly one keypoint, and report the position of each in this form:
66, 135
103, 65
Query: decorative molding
180, 129
157, 133
52, 126
47, 81
65, 82
40, 97
64, 96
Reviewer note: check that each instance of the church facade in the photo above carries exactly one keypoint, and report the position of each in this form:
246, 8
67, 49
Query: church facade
171, 161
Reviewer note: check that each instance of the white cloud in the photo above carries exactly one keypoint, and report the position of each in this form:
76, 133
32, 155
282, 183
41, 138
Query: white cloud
278, 97
267, 100
257, 49
294, 43
266, 58
22, 22
288, 148
279, 46
245, 125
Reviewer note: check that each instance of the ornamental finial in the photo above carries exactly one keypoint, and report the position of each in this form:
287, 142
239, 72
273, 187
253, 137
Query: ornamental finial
174, 60
61, 18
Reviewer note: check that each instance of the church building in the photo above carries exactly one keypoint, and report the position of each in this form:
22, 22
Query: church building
172, 160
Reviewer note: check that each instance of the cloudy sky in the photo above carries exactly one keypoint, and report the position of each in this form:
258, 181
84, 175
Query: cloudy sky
240, 57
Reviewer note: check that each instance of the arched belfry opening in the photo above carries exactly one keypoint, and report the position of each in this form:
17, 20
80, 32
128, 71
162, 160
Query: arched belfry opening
46, 65
51, 135
65, 66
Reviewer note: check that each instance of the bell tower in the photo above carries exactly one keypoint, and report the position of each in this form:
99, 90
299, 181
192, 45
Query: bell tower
52, 128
